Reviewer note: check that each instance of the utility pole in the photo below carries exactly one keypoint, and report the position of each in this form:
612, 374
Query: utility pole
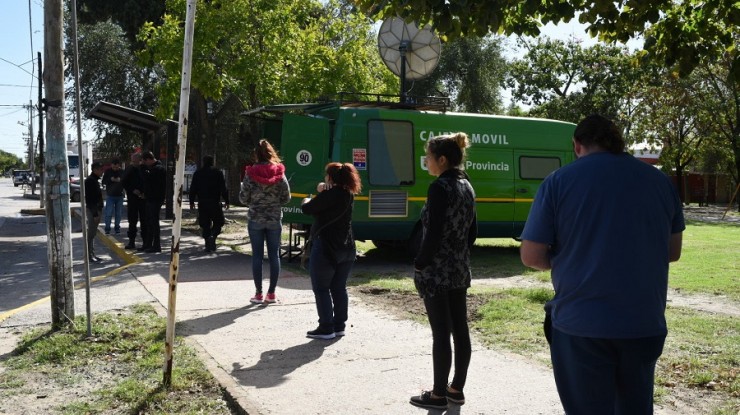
41, 137
57, 170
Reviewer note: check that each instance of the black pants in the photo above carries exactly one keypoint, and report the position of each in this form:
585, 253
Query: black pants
150, 231
448, 314
210, 217
136, 213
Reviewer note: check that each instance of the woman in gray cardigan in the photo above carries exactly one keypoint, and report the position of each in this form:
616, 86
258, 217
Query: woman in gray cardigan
265, 190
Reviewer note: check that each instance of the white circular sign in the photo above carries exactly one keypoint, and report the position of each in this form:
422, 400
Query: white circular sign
304, 158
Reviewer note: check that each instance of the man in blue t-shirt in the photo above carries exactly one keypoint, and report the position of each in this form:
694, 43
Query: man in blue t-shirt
607, 225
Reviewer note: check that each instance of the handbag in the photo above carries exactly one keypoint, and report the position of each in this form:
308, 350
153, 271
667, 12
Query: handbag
309, 241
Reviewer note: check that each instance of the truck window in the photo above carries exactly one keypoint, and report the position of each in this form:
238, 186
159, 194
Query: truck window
390, 153
537, 168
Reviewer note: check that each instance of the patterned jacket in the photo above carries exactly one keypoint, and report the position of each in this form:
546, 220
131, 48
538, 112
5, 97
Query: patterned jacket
450, 227
264, 190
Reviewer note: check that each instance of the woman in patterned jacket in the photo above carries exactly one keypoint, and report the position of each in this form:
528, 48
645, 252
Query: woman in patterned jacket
442, 266
264, 190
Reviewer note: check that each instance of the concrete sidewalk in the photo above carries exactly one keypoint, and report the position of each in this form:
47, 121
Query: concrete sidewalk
261, 354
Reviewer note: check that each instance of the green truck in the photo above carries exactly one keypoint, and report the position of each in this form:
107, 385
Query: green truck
508, 159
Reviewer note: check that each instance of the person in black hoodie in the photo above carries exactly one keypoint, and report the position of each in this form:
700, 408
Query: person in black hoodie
155, 180
207, 188
133, 183
93, 207
333, 247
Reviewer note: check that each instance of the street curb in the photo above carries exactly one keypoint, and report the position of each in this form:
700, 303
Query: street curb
236, 397
112, 244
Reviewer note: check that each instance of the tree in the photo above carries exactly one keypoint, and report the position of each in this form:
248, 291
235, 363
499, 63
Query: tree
129, 15
9, 161
670, 116
677, 33
263, 52
721, 94
470, 72
564, 81
109, 71
266, 51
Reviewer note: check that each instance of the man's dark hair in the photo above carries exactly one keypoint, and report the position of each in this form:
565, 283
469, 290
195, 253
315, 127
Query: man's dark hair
207, 161
148, 155
115, 160
96, 165
598, 131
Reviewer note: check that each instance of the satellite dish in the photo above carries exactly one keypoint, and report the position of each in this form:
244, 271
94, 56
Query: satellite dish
409, 52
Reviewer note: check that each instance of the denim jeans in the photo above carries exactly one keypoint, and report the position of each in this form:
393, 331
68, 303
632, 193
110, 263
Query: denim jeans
605, 376
113, 205
93, 220
329, 284
258, 234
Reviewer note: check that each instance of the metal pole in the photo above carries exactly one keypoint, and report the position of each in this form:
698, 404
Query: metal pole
182, 135
83, 170
402, 49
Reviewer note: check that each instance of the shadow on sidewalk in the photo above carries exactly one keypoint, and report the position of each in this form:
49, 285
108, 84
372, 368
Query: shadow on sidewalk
274, 365
211, 322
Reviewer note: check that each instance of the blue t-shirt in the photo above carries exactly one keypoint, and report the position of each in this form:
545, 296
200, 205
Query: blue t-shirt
608, 219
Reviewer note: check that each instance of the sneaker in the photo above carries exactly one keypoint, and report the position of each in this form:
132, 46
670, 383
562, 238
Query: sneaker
425, 400
107, 231
339, 333
257, 299
270, 298
455, 397
320, 333
118, 231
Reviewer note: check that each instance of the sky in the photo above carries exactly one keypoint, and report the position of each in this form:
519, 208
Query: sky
20, 40
19, 71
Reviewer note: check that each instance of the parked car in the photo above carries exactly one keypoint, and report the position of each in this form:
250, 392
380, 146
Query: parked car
74, 191
21, 177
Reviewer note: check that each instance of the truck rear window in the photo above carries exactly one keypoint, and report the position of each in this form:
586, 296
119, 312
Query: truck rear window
537, 168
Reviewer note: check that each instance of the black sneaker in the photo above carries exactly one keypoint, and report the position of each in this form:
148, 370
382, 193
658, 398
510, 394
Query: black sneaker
455, 397
320, 333
426, 400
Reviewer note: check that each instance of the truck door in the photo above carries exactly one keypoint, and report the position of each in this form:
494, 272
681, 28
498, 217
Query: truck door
304, 148
531, 167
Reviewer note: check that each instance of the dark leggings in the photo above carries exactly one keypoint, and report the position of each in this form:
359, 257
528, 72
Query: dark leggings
447, 312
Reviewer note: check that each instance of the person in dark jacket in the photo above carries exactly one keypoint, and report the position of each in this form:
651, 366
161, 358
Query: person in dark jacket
133, 183
207, 189
333, 247
442, 266
93, 207
265, 190
113, 196
155, 180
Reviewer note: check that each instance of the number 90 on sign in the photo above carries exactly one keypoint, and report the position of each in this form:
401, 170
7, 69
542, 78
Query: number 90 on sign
304, 157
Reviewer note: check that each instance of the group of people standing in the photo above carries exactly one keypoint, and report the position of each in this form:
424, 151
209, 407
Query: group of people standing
607, 225
143, 182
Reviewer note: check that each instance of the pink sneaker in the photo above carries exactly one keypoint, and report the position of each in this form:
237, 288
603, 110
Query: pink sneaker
270, 298
257, 299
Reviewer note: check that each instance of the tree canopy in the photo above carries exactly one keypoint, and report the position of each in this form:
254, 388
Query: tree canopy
677, 33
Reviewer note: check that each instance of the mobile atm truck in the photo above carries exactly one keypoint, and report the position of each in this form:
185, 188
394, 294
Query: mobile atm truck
508, 159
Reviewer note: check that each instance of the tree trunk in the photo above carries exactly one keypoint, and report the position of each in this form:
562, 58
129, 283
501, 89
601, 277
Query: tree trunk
57, 171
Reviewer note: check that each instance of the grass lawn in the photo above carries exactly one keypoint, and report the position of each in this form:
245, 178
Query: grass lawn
702, 351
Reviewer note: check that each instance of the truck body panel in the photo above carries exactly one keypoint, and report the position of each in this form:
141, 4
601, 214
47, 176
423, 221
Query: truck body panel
508, 159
